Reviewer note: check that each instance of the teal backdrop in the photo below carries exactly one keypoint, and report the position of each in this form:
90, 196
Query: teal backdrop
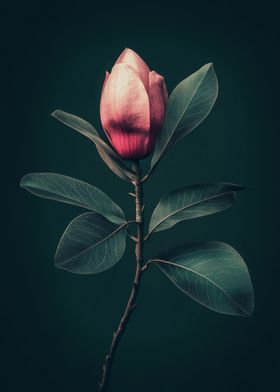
57, 326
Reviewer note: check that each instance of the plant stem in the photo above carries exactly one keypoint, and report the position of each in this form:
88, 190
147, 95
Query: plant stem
136, 283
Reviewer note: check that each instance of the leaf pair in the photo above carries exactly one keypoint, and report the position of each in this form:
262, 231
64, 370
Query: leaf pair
211, 273
92, 242
188, 105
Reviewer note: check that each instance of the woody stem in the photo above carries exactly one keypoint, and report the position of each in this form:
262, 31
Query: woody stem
131, 304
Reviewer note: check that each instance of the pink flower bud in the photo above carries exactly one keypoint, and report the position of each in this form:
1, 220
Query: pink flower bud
132, 107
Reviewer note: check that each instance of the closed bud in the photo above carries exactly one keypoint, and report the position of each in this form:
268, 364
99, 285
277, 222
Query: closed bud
132, 107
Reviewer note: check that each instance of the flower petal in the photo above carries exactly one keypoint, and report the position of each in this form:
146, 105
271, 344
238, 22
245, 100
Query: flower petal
125, 112
158, 99
129, 57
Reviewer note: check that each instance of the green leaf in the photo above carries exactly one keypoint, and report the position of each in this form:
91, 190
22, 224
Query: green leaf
72, 191
188, 105
211, 273
109, 156
192, 202
90, 244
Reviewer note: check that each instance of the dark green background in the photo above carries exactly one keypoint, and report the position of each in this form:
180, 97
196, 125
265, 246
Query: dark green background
57, 326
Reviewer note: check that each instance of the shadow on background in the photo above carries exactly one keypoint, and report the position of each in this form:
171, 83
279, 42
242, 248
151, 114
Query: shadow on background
57, 326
